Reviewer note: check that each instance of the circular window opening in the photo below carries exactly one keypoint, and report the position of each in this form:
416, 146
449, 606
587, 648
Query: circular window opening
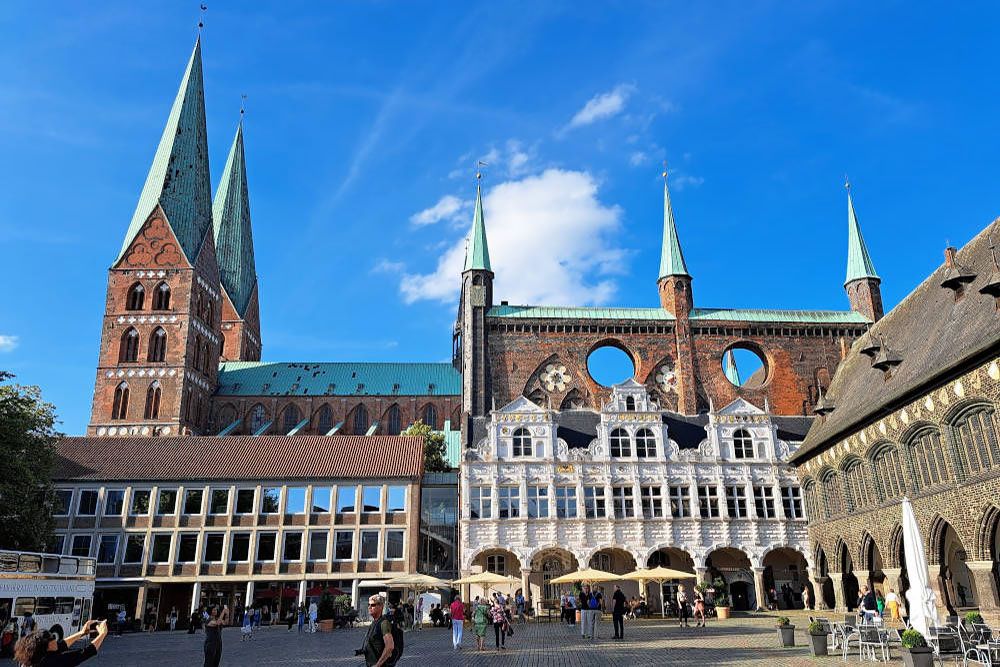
744, 367
610, 365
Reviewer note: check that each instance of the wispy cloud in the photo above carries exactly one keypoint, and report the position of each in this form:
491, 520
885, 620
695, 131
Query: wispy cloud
448, 207
384, 265
8, 342
638, 158
681, 181
604, 105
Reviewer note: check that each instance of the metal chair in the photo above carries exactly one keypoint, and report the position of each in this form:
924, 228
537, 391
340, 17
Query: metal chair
946, 644
871, 642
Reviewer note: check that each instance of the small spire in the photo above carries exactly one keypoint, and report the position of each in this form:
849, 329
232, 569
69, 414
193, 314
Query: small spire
859, 262
729, 366
671, 257
232, 228
477, 256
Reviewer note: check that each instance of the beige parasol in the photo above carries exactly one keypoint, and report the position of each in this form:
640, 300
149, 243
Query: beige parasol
486, 580
589, 575
419, 582
658, 575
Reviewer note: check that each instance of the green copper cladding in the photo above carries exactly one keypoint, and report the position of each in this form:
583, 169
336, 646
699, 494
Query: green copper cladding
859, 262
179, 179
477, 257
233, 233
729, 366
671, 256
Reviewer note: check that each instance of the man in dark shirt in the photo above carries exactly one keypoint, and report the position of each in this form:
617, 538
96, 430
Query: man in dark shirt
618, 612
379, 644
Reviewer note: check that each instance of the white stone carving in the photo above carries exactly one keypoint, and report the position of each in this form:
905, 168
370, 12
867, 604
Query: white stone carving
555, 377
666, 379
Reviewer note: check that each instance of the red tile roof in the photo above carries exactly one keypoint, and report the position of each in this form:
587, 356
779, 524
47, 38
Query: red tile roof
267, 457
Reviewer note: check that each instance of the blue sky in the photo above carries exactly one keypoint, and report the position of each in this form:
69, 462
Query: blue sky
365, 121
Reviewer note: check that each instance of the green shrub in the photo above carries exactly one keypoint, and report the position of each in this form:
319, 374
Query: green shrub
816, 628
783, 621
721, 592
913, 639
973, 617
326, 610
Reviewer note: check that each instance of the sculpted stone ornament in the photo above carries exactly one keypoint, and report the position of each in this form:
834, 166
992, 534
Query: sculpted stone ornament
562, 449
555, 378
783, 450
673, 450
666, 379
708, 448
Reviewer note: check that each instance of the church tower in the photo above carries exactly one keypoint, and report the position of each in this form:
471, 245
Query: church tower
862, 283
160, 339
476, 299
237, 269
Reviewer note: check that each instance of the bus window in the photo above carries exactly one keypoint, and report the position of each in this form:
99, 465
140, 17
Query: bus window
30, 563
50, 564
65, 605
67, 566
44, 606
24, 605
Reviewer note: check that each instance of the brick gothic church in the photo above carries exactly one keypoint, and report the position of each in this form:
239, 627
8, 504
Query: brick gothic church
181, 338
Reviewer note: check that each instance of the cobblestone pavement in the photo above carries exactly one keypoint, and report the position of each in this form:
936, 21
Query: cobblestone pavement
742, 640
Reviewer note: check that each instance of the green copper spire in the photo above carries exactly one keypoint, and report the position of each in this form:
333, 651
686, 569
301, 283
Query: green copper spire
233, 234
179, 179
859, 263
477, 256
729, 367
671, 256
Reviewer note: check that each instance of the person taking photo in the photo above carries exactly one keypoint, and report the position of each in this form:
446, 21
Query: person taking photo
43, 649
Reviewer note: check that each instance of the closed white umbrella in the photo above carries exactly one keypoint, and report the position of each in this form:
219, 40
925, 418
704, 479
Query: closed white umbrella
923, 610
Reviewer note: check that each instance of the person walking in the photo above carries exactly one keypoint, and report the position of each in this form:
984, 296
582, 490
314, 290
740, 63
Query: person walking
480, 618
519, 603
313, 616
379, 645
499, 619
246, 632
172, 618
892, 604
682, 607
591, 603
290, 619
256, 617
418, 614
699, 610
618, 611
213, 635
301, 615
806, 602
457, 622
869, 605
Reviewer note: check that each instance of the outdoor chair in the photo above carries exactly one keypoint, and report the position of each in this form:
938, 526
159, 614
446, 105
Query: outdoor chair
983, 632
872, 643
843, 635
947, 644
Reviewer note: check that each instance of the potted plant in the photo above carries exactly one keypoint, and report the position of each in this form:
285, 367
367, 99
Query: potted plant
721, 598
326, 610
973, 617
786, 632
916, 652
817, 638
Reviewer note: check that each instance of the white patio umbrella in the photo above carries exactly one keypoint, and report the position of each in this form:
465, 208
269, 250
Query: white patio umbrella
923, 610
658, 575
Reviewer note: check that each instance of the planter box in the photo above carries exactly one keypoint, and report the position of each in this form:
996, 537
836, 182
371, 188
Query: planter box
325, 626
918, 657
786, 635
819, 644
722, 613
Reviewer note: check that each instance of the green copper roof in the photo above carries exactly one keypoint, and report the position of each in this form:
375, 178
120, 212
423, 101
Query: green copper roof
859, 263
729, 366
179, 178
257, 378
583, 312
777, 316
233, 234
671, 256
477, 256
699, 314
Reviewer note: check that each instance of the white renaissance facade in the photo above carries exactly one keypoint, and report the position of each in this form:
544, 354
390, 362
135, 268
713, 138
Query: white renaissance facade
533, 507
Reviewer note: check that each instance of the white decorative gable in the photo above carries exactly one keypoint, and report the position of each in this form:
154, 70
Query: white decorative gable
521, 404
742, 431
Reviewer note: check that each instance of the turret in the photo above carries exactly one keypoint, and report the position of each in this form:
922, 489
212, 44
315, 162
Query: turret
862, 283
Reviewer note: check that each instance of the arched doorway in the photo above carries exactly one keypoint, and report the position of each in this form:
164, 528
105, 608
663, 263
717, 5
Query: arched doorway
733, 567
785, 574
898, 553
954, 579
676, 559
873, 561
849, 582
828, 597
546, 565
617, 561
498, 561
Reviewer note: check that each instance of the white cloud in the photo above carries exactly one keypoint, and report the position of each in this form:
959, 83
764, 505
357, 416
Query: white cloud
446, 208
682, 181
603, 106
384, 265
8, 343
551, 241
638, 158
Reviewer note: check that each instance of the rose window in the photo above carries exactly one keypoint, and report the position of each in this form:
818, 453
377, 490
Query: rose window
555, 377
667, 379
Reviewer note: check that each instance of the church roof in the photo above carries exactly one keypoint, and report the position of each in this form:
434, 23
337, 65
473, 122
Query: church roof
233, 234
671, 257
477, 256
936, 337
859, 262
258, 378
179, 179
699, 314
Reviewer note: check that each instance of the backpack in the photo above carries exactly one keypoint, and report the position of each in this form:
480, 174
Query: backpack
593, 602
397, 640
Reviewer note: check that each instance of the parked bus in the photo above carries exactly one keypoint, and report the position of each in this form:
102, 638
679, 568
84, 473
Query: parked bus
57, 590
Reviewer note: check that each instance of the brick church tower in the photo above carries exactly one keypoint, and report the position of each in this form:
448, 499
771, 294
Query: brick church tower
161, 336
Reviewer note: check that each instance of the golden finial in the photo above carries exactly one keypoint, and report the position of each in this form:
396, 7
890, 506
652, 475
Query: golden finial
847, 183
664, 174
479, 171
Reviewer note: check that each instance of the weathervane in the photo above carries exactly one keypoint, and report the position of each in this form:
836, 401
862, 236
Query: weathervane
479, 171
847, 183
201, 19
243, 105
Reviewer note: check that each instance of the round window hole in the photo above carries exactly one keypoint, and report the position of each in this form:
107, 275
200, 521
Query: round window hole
610, 365
744, 367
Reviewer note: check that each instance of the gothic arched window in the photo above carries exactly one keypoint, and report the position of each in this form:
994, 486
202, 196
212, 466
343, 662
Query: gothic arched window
290, 419
888, 471
206, 358
976, 438
135, 298
857, 484
630, 403
521, 443
128, 351
833, 492
360, 420
157, 345
258, 417
393, 419
161, 297
152, 401
929, 458
620, 443
742, 444
430, 416
120, 407
209, 311
324, 419
645, 443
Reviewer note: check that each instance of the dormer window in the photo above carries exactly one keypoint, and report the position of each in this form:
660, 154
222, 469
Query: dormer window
956, 276
621, 446
630, 403
742, 444
521, 444
645, 443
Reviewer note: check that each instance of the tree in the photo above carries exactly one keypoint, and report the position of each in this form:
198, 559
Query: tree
434, 450
28, 438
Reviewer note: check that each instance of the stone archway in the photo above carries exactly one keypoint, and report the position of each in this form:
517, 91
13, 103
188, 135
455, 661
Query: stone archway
871, 560
618, 561
849, 582
785, 574
732, 565
547, 564
825, 597
956, 587
499, 561
662, 596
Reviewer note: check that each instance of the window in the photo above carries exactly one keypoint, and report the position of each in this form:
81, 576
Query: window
680, 502
135, 297
56, 544
742, 445
360, 420
620, 443
833, 492
244, 501
509, 501
371, 499
152, 410
107, 549
393, 419
736, 502
369, 544
645, 444
160, 553
295, 500
239, 552
974, 433
128, 350
87, 505
538, 502
393, 545
321, 500
430, 416
521, 443
140, 501
601, 561
214, 547
652, 501
167, 502
119, 409
791, 501
594, 502
161, 297
497, 564
293, 547
857, 484
64, 500
157, 345
763, 502
134, 546
193, 501
114, 501
317, 544
220, 501
187, 548
80, 546
258, 419
888, 471
343, 545
397, 498
290, 419
324, 419
347, 496
623, 501
708, 502
265, 546
480, 503
566, 502
928, 458
630, 403
270, 500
